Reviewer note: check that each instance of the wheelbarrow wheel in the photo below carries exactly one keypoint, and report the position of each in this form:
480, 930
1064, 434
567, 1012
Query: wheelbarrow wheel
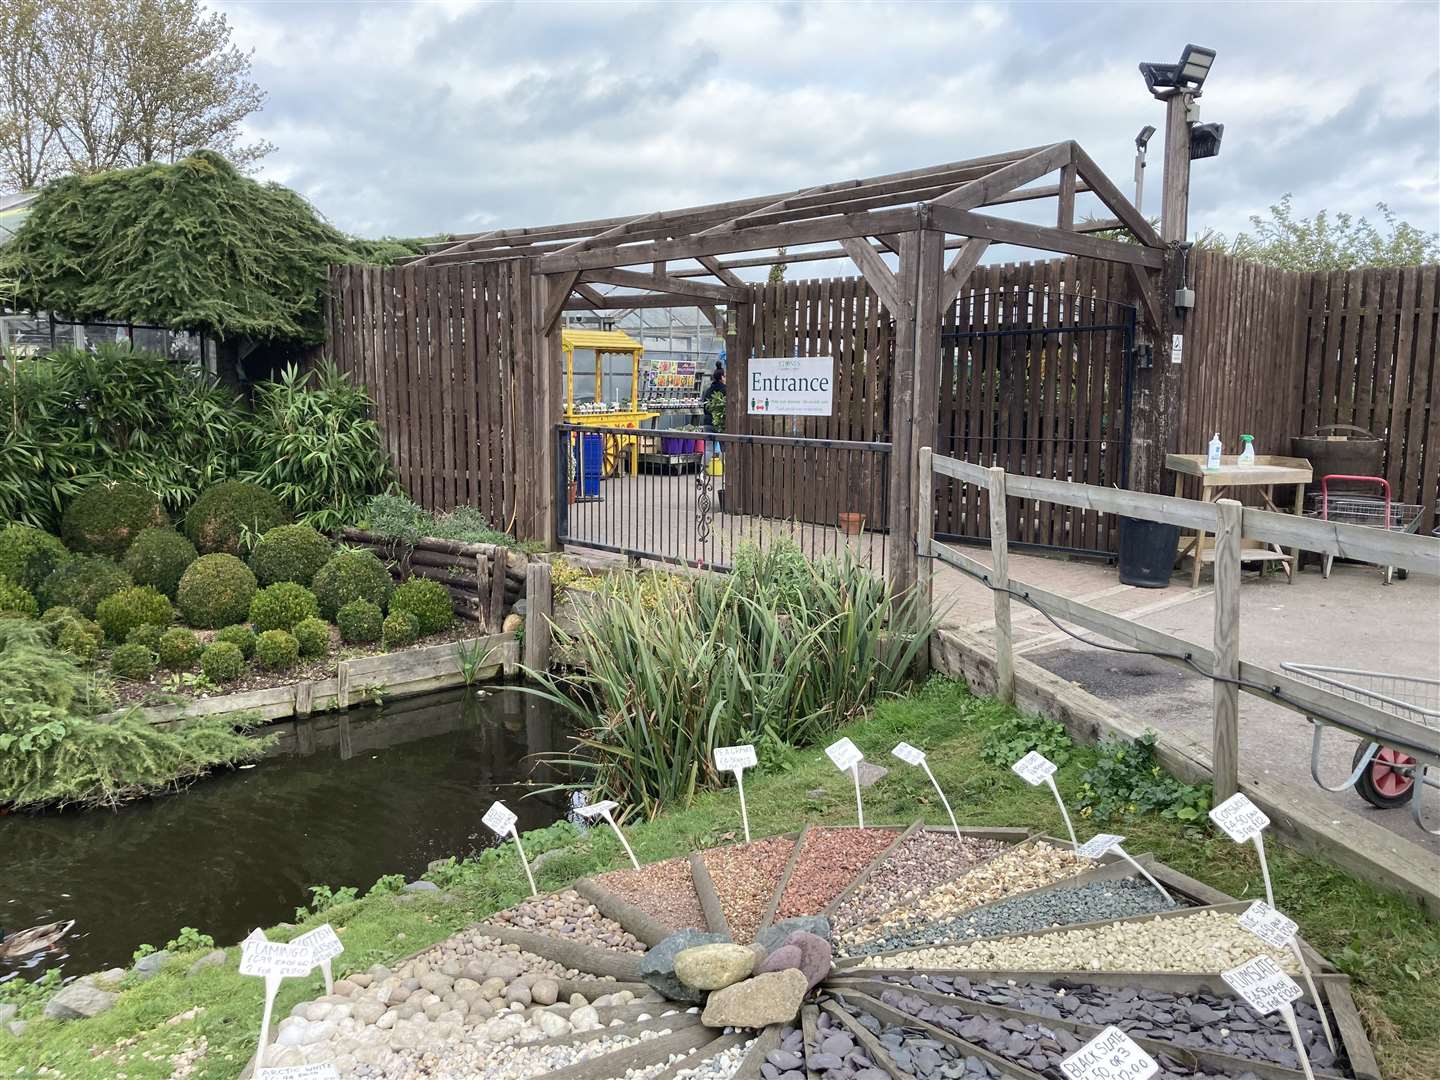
1389, 780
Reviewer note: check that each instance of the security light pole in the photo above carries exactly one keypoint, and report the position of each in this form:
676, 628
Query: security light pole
1175, 186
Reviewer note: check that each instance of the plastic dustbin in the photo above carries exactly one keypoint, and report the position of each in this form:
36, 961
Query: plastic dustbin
592, 464
1147, 552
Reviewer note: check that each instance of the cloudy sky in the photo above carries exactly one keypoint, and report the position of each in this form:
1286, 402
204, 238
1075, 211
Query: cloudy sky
414, 118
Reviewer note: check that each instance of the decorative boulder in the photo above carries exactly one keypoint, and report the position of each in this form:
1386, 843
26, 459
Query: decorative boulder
773, 936
782, 959
816, 956
657, 967
772, 998
80, 1000
713, 967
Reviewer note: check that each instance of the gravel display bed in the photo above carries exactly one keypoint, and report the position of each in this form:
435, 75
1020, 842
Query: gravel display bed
721, 1066
665, 891
921, 862
836, 1055
745, 878
569, 915
517, 1061
1033, 1046
830, 859
1207, 941
1195, 1021
918, 1054
1029, 866
1095, 901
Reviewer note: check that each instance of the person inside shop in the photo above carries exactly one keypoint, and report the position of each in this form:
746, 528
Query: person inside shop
714, 409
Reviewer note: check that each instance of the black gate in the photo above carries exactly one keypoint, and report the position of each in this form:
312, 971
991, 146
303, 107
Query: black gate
1039, 383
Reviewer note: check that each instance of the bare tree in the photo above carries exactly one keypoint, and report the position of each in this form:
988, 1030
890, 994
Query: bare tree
27, 97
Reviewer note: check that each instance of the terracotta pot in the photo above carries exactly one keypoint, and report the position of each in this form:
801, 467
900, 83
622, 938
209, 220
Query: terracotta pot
852, 524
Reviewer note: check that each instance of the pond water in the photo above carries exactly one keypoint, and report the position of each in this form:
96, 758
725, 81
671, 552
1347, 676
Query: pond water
344, 799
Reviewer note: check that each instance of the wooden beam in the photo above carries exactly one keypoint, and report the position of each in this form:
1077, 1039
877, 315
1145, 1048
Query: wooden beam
1008, 178
632, 302
1003, 231
590, 293
960, 269
715, 318
1149, 300
726, 276
1095, 225
559, 292
615, 232
876, 274
1000, 588
1065, 213
1115, 199
1225, 751
662, 283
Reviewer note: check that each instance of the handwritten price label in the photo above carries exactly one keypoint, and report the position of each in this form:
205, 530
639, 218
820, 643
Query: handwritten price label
1263, 985
322, 943
1034, 768
1271, 926
1111, 1055
1239, 818
734, 758
281, 959
317, 1071
845, 754
499, 819
1098, 845
911, 755
599, 809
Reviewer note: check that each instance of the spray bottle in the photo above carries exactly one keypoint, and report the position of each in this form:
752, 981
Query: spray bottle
1247, 455
1212, 460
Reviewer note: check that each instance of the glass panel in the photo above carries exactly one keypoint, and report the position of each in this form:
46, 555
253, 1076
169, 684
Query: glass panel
150, 339
619, 370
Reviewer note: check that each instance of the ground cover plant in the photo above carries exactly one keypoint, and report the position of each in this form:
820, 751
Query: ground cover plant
1383, 941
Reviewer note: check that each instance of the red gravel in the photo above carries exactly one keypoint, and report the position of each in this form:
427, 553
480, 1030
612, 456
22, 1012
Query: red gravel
745, 877
830, 860
665, 891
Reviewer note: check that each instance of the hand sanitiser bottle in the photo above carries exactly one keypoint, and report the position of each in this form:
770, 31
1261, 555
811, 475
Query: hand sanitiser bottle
1247, 455
1212, 461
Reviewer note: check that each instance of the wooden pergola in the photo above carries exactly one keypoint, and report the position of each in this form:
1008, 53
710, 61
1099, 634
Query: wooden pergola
676, 258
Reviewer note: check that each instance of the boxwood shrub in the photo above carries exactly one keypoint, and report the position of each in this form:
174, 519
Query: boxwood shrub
222, 662
179, 648
121, 612
282, 605
15, 600
352, 575
239, 635
313, 636
277, 650
427, 600
28, 554
147, 634
132, 662
82, 583
360, 622
106, 517
290, 553
159, 557
226, 514
216, 590
400, 629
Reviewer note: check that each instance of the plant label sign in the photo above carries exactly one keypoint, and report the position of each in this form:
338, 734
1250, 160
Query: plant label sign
791, 385
606, 809
1263, 985
1111, 1055
1239, 818
500, 820
911, 755
1034, 768
734, 758
1273, 927
1099, 844
317, 1071
276, 959
324, 946
845, 754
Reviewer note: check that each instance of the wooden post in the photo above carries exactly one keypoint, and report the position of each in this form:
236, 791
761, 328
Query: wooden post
495, 603
1175, 186
902, 421
1000, 583
1226, 749
538, 609
925, 578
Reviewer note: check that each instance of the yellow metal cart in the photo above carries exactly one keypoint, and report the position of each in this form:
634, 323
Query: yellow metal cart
602, 389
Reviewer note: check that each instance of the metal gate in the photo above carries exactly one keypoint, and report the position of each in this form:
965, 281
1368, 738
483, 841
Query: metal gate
1037, 382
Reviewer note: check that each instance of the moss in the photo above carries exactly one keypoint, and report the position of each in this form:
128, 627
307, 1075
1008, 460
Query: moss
121, 612
277, 650
313, 637
81, 583
105, 518
428, 601
222, 662
290, 553
399, 630
132, 662
178, 648
159, 557
216, 590
352, 575
239, 635
360, 622
230, 517
282, 605
27, 555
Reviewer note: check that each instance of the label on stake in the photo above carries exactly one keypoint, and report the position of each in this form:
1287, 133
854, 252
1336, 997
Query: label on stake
1099, 844
911, 755
1034, 768
1263, 985
1111, 1055
600, 809
322, 1070
322, 943
845, 754
499, 820
1272, 927
734, 758
278, 959
1239, 818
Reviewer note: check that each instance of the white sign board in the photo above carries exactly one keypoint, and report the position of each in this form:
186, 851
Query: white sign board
279, 959
791, 386
1034, 768
318, 1071
734, 758
845, 754
1240, 819
1272, 927
1099, 844
599, 809
499, 819
322, 943
1263, 985
911, 755
251, 938
1111, 1055
1177, 348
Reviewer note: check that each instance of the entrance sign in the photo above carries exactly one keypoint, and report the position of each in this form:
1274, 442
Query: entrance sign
1111, 1055
1239, 818
324, 946
913, 755
791, 386
1036, 769
500, 820
605, 810
1267, 989
847, 756
737, 759
1101, 843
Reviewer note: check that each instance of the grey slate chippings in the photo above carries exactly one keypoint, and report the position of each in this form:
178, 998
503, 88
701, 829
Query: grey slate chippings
1194, 1021
918, 1054
1095, 902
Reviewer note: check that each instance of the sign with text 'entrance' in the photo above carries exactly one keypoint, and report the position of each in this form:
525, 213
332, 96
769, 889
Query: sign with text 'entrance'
791, 385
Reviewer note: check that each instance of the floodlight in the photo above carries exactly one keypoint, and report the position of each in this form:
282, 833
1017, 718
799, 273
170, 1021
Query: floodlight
1205, 140
1188, 76
1143, 139
1195, 64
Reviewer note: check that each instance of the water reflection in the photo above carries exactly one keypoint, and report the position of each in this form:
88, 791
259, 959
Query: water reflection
343, 799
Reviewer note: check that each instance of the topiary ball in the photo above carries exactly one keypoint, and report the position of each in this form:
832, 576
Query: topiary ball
351, 575
313, 636
277, 650
228, 517
360, 622
121, 612
147, 634
27, 555
159, 557
400, 629
290, 553
104, 518
16, 601
215, 590
80, 638
132, 662
179, 648
427, 600
282, 605
241, 636
82, 583
222, 662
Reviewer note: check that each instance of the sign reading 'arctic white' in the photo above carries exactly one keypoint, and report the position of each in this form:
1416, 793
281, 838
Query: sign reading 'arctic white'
317, 1071
1111, 1055
791, 385
1240, 819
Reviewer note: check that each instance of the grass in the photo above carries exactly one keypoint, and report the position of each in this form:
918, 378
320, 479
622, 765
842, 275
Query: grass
1383, 941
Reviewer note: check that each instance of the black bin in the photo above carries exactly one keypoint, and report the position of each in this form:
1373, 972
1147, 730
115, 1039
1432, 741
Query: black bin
1147, 552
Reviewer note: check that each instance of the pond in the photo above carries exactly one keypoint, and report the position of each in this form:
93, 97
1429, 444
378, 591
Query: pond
343, 800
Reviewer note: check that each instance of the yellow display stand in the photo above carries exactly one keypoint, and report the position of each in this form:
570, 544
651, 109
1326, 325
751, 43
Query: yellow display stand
595, 413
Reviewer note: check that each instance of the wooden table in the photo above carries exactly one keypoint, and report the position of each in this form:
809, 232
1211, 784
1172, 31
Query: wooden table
1268, 471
